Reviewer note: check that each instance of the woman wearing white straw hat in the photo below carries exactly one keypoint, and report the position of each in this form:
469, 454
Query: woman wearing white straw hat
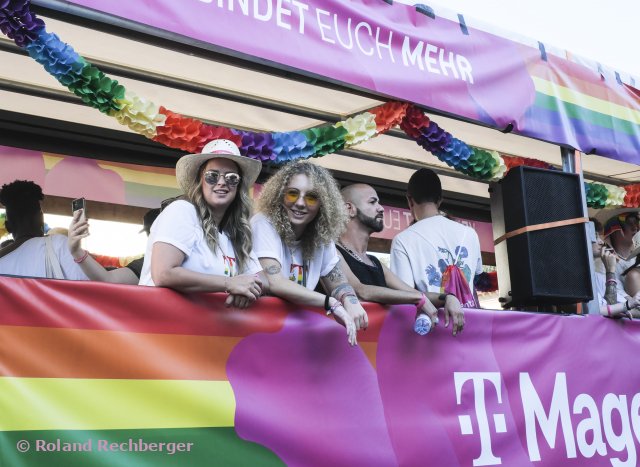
203, 242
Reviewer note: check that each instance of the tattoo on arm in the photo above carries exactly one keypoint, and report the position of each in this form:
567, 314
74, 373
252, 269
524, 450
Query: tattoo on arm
273, 269
336, 275
343, 289
610, 290
353, 299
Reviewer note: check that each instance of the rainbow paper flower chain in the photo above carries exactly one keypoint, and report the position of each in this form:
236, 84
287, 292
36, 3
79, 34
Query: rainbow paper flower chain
176, 131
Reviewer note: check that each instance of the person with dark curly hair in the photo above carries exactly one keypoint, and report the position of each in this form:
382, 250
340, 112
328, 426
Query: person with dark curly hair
33, 254
301, 214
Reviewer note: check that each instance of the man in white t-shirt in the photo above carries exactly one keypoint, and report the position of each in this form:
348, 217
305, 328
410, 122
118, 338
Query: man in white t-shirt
421, 253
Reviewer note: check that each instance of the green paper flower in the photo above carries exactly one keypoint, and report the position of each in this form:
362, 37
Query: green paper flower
326, 139
596, 195
96, 89
481, 164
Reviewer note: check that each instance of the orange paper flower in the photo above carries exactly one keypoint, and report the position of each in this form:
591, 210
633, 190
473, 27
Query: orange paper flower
389, 115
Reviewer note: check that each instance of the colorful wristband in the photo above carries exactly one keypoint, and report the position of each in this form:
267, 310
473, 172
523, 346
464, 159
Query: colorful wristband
82, 258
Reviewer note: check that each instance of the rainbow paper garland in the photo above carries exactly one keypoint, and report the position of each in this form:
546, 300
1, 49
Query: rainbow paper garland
176, 131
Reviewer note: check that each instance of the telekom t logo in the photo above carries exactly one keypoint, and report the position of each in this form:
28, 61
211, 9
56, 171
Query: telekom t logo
466, 427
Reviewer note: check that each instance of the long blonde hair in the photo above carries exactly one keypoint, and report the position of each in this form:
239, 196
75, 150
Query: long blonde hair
235, 222
331, 219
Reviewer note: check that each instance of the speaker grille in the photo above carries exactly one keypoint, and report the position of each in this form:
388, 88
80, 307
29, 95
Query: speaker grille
546, 266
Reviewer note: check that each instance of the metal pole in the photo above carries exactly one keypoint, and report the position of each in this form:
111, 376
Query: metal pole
572, 162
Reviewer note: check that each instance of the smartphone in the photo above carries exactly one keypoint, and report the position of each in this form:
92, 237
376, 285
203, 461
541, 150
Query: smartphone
79, 204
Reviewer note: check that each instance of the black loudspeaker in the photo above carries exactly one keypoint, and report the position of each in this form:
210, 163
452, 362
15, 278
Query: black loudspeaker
542, 267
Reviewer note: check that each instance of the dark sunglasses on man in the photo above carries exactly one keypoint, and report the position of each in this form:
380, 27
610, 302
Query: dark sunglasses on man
231, 178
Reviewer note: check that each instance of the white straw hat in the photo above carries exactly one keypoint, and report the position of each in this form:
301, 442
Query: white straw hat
188, 166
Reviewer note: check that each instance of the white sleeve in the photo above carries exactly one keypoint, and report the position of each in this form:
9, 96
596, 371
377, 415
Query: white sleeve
400, 264
329, 259
266, 241
178, 225
71, 270
253, 266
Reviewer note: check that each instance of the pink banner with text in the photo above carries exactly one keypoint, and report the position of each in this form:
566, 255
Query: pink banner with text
513, 389
413, 54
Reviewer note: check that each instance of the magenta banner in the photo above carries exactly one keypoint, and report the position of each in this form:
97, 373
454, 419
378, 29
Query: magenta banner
400, 51
86, 363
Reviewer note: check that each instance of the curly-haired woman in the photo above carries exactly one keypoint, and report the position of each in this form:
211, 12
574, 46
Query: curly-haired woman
203, 243
301, 213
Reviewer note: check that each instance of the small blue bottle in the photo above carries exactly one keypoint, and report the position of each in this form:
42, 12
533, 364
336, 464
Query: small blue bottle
422, 326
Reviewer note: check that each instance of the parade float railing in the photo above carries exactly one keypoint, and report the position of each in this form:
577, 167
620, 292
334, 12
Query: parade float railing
103, 374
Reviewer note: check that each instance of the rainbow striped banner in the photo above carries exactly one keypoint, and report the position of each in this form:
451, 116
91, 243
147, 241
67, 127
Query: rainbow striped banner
104, 374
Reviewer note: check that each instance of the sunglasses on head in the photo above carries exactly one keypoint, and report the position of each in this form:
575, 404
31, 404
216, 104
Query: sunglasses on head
231, 178
292, 195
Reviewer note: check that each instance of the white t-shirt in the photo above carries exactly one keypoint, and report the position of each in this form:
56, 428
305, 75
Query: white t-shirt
621, 266
268, 244
29, 259
178, 225
422, 252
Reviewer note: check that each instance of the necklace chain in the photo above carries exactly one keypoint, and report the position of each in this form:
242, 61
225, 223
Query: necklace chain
351, 252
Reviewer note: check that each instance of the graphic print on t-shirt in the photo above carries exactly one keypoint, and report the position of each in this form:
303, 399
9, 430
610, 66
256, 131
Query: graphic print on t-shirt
434, 276
229, 266
297, 274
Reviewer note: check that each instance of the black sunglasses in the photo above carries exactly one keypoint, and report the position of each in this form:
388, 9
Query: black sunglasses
231, 178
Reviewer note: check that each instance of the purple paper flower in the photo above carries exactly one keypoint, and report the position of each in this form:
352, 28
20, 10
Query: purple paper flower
257, 146
17, 22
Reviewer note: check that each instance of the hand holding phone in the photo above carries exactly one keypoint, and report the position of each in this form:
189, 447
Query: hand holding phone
79, 228
78, 204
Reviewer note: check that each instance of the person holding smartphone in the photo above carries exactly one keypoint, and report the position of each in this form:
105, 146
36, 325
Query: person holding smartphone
32, 254
79, 229
612, 304
300, 214
203, 243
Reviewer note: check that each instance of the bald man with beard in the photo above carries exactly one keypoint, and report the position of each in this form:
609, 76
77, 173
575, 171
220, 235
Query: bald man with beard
372, 281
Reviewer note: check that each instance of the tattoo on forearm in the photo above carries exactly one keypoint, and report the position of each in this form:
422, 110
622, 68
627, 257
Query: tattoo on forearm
342, 289
273, 269
336, 275
611, 294
353, 299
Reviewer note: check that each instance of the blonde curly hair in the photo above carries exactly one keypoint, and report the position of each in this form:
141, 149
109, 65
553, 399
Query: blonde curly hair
235, 222
331, 219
